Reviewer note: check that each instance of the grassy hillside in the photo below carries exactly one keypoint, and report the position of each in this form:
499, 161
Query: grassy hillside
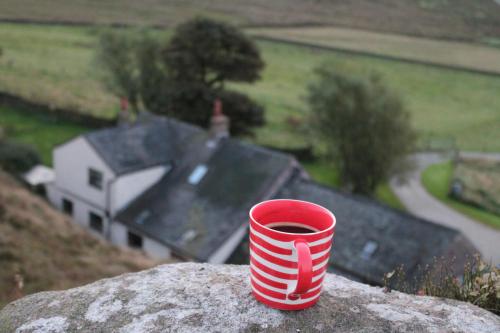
47, 250
444, 104
55, 65
458, 19
440, 52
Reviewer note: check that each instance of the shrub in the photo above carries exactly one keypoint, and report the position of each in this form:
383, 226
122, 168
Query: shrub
16, 157
479, 285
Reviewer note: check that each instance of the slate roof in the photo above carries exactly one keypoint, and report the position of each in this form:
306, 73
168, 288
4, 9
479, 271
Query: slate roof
400, 238
194, 220
152, 141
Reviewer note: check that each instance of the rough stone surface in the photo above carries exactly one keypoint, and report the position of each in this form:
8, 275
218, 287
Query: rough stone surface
192, 297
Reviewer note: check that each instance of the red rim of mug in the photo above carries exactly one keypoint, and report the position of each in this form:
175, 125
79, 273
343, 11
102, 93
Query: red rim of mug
332, 226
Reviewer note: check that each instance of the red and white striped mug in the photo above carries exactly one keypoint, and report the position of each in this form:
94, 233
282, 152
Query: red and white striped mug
287, 268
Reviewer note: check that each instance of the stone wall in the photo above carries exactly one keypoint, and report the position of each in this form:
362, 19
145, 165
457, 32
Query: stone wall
193, 297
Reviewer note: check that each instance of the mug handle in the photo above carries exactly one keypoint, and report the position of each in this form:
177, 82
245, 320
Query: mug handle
304, 274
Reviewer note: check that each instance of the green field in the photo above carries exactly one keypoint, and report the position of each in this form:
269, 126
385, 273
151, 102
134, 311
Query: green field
465, 55
55, 65
436, 180
40, 131
444, 104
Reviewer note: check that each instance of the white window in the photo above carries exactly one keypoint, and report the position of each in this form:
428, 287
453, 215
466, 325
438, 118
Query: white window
95, 222
142, 217
368, 250
134, 240
67, 206
197, 174
95, 178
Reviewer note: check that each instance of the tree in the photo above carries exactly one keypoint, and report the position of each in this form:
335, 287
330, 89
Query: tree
117, 55
155, 80
183, 77
210, 52
364, 126
194, 104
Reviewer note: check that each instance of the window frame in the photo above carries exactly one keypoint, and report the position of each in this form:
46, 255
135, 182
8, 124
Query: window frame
138, 243
95, 178
66, 203
99, 219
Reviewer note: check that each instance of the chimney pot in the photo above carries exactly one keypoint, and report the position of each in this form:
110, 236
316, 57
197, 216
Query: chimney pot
219, 123
124, 115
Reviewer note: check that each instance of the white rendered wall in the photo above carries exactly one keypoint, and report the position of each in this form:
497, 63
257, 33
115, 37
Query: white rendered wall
81, 209
151, 247
71, 163
119, 234
155, 249
53, 195
130, 186
227, 248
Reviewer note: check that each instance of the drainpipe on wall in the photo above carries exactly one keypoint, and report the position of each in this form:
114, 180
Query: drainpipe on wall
107, 210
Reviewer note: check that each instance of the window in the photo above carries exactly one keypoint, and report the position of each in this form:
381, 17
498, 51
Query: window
368, 250
67, 206
134, 240
95, 222
95, 178
197, 174
142, 217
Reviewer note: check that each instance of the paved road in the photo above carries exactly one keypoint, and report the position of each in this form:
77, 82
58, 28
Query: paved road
419, 202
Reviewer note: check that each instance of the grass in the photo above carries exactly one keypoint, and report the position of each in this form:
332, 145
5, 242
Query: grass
436, 180
38, 130
465, 55
55, 65
385, 194
326, 173
49, 252
458, 19
440, 101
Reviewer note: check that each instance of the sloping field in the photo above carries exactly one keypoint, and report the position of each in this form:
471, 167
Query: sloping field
47, 251
440, 52
455, 19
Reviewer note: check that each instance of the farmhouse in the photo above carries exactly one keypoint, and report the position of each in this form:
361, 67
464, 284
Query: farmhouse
173, 189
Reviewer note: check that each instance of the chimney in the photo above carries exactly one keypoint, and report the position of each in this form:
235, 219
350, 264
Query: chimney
124, 115
219, 123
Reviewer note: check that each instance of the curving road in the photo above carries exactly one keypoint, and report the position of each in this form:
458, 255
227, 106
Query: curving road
420, 203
